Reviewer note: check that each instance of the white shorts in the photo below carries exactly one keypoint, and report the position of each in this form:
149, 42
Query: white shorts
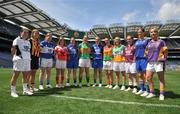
107, 65
155, 66
46, 63
119, 66
84, 63
22, 65
60, 64
130, 67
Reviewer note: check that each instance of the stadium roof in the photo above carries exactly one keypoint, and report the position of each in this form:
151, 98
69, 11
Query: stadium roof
26, 14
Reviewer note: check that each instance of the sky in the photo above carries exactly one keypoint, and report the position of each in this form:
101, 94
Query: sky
83, 14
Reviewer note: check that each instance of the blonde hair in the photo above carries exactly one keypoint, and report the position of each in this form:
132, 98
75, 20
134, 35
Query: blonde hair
33, 31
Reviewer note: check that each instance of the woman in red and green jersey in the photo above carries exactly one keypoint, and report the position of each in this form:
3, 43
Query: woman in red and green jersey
107, 62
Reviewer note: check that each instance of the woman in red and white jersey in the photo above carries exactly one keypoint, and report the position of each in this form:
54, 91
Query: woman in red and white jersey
61, 58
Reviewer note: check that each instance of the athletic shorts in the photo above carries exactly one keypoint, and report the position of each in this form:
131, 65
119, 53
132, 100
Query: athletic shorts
107, 65
97, 63
46, 63
155, 66
141, 65
34, 63
60, 64
130, 67
84, 63
22, 65
119, 66
72, 64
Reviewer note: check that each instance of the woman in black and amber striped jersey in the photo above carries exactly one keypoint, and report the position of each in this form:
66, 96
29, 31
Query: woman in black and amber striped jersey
35, 49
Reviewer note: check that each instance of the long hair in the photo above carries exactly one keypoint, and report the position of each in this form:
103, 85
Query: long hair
60, 40
33, 31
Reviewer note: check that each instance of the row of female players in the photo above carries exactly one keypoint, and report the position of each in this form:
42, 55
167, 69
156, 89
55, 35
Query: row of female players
145, 57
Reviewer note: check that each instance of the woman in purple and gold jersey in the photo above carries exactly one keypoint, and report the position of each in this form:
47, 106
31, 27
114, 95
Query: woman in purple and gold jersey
156, 51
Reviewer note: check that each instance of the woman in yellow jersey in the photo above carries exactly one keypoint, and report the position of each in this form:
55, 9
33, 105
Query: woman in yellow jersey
107, 62
118, 62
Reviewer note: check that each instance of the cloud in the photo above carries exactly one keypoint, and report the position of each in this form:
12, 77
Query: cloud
164, 10
169, 10
130, 16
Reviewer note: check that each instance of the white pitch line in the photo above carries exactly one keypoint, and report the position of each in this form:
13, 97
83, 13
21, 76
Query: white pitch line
118, 102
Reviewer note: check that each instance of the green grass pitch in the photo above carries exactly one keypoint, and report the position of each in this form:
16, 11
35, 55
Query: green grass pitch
89, 100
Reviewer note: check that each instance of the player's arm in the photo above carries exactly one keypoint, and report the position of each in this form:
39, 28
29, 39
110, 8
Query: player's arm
79, 51
13, 50
146, 51
102, 51
91, 52
14, 47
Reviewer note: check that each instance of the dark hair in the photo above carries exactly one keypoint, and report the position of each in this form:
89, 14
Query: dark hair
23, 29
142, 29
130, 37
48, 34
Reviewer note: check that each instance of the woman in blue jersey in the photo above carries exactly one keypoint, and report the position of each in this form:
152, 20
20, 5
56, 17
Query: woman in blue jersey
141, 61
46, 60
97, 60
72, 61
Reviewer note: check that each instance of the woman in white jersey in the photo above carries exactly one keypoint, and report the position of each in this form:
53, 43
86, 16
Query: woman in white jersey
21, 61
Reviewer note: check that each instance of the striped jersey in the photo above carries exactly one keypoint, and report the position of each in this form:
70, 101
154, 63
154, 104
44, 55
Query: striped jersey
35, 48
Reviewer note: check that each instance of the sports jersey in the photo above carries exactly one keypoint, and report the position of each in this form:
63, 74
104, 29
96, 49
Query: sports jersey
46, 49
23, 49
107, 53
155, 51
72, 52
129, 53
96, 51
61, 52
118, 53
140, 46
35, 48
84, 51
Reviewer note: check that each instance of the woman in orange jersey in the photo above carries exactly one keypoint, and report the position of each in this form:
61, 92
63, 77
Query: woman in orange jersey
61, 57
107, 62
